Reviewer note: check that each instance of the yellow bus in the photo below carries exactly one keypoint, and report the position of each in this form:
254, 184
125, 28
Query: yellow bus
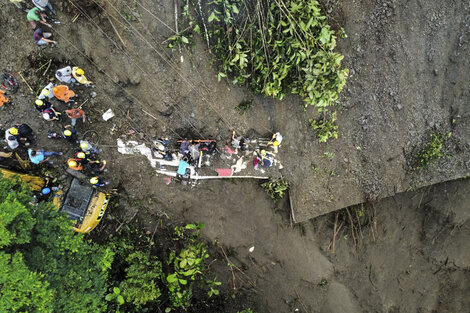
82, 203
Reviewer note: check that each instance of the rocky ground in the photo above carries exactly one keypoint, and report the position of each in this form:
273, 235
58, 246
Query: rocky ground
409, 73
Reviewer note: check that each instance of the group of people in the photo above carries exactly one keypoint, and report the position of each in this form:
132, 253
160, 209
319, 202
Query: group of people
190, 152
37, 18
85, 158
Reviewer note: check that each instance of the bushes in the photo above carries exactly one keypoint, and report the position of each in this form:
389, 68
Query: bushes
432, 151
44, 265
278, 47
276, 188
274, 48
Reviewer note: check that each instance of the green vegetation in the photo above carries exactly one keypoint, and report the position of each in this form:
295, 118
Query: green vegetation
44, 265
285, 46
326, 128
276, 188
244, 106
274, 48
432, 151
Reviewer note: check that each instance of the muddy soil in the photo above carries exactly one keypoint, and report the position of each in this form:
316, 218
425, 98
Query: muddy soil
409, 73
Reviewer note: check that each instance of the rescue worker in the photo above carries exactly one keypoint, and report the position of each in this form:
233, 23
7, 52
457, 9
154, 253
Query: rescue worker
46, 92
97, 167
98, 182
41, 156
10, 138
70, 134
87, 147
41, 105
3, 99
50, 114
64, 75
94, 166
24, 132
80, 77
75, 164
239, 142
74, 114
63, 93
267, 159
34, 16
183, 171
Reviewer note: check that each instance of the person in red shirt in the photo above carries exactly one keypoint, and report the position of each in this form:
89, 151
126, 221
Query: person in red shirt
75, 114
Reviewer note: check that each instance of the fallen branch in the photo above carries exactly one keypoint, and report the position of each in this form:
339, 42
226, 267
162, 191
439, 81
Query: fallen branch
115, 30
352, 227
148, 114
334, 234
359, 223
119, 227
230, 264
151, 239
204, 24
47, 69
83, 104
300, 300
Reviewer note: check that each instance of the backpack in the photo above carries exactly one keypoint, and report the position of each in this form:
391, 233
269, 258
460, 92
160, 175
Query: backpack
9, 83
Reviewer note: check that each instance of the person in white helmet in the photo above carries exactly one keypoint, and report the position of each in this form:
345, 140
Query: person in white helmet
64, 75
46, 92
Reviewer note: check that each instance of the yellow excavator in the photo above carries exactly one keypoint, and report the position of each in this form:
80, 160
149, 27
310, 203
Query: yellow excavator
82, 203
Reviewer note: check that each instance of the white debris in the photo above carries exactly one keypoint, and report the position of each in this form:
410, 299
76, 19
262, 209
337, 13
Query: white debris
108, 114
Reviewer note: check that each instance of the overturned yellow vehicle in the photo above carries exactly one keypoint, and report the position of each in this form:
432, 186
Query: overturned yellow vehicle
82, 203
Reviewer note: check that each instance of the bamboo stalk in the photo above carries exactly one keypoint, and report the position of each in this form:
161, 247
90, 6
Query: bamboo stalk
115, 30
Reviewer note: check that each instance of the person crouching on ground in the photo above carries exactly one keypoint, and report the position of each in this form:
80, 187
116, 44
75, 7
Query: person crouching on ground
80, 77
63, 93
34, 16
50, 114
41, 38
98, 182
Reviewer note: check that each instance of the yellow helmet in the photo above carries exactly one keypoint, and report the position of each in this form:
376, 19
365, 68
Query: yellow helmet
80, 71
67, 132
14, 131
276, 143
39, 102
45, 92
72, 163
263, 152
81, 155
84, 145
94, 180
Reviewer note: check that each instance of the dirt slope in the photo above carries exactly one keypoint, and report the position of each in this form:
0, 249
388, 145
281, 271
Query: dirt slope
409, 70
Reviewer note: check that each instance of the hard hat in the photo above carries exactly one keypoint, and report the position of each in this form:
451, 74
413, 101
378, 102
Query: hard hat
72, 163
39, 102
67, 132
81, 155
46, 116
45, 92
46, 191
83, 145
263, 152
276, 143
80, 71
94, 180
14, 131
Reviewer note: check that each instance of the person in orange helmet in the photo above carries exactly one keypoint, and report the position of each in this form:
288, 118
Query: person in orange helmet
63, 93
3, 99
